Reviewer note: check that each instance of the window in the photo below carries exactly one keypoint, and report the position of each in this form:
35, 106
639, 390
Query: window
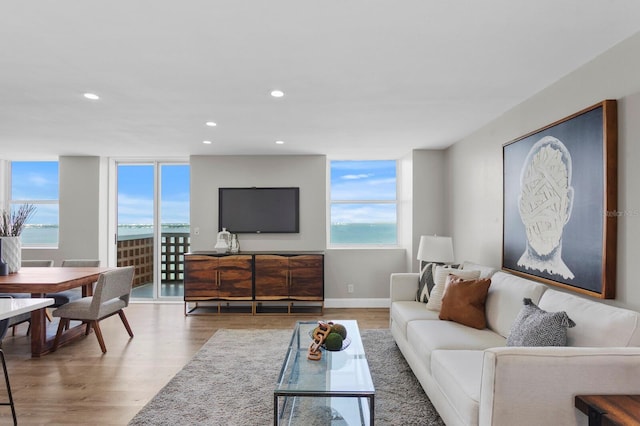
36, 182
363, 203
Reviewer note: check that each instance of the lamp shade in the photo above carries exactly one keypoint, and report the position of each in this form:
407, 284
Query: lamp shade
437, 249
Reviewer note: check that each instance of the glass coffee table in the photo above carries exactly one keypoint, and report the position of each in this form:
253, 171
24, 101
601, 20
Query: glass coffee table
336, 390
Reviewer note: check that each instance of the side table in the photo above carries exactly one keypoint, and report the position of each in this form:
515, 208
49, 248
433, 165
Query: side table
610, 410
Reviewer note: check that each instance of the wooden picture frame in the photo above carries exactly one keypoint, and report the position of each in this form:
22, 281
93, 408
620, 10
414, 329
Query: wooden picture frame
560, 202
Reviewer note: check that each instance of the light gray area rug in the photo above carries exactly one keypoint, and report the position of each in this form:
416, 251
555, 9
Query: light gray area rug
230, 381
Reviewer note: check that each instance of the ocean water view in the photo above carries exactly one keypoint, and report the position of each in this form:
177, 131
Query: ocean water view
138, 230
364, 233
341, 233
47, 235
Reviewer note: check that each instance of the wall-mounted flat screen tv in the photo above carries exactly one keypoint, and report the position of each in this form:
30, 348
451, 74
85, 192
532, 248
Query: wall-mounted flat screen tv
259, 210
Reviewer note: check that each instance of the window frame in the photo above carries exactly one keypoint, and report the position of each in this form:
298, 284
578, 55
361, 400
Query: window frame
396, 202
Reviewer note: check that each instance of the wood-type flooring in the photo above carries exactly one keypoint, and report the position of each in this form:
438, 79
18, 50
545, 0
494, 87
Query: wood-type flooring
78, 385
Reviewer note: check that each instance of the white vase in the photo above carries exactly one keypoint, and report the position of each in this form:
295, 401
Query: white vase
12, 253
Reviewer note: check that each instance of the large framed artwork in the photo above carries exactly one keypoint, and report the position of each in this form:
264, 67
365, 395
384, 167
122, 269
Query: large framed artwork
560, 202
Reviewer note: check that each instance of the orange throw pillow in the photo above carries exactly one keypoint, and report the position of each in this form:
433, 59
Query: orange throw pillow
463, 302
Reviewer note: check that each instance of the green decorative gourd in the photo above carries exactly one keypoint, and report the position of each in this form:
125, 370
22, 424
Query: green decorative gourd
333, 342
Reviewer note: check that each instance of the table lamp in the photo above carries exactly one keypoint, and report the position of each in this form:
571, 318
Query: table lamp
433, 250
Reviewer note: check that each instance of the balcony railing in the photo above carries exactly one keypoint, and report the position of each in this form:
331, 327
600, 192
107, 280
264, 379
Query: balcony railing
137, 251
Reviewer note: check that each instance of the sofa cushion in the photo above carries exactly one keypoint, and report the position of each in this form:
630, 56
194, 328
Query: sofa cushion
504, 300
597, 324
427, 336
458, 373
536, 327
485, 271
402, 312
463, 301
440, 278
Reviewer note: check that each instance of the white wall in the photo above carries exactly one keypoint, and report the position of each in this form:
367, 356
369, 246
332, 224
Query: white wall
83, 212
405, 209
429, 198
368, 270
4, 184
628, 290
475, 163
208, 173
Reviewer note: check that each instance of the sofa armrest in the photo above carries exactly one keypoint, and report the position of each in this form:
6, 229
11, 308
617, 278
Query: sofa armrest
404, 285
534, 386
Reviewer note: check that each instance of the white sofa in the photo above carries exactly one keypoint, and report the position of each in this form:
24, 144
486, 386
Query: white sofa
473, 378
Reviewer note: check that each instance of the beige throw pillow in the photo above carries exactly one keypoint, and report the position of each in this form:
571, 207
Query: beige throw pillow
440, 279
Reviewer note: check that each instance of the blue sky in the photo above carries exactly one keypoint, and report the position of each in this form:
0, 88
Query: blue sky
135, 194
363, 181
32, 181
38, 181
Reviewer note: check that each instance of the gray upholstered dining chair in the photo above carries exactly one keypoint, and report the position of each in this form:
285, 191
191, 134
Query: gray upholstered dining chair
66, 296
80, 263
110, 297
36, 263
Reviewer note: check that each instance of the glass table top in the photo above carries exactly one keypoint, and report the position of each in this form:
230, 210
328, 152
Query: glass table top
337, 372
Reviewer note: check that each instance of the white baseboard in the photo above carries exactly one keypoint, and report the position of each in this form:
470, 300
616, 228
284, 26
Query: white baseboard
357, 303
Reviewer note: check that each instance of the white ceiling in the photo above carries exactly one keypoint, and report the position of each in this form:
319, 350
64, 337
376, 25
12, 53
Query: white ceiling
363, 78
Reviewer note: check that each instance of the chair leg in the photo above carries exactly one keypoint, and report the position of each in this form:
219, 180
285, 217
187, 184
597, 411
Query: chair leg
96, 328
47, 312
125, 322
56, 341
6, 379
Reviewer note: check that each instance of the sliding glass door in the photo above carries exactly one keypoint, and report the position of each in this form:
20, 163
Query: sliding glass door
174, 227
153, 226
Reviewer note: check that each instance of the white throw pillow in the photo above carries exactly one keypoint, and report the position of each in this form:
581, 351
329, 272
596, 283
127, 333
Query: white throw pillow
440, 279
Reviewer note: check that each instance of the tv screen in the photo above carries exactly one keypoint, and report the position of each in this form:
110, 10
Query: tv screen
259, 210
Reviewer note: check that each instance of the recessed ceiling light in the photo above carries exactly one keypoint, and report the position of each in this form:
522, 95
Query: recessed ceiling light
277, 93
211, 124
207, 142
91, 96
280, 142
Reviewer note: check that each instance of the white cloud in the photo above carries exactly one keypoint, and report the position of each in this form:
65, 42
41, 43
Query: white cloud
363, 213
383, 181
132, 210
39, 180
175, 211
136, 210
360, 176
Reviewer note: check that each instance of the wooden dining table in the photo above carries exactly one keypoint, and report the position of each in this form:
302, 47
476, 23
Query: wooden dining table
39, 281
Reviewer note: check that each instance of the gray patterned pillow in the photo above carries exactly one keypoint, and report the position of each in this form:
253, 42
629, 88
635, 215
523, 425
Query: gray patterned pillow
426, 281
536, 327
